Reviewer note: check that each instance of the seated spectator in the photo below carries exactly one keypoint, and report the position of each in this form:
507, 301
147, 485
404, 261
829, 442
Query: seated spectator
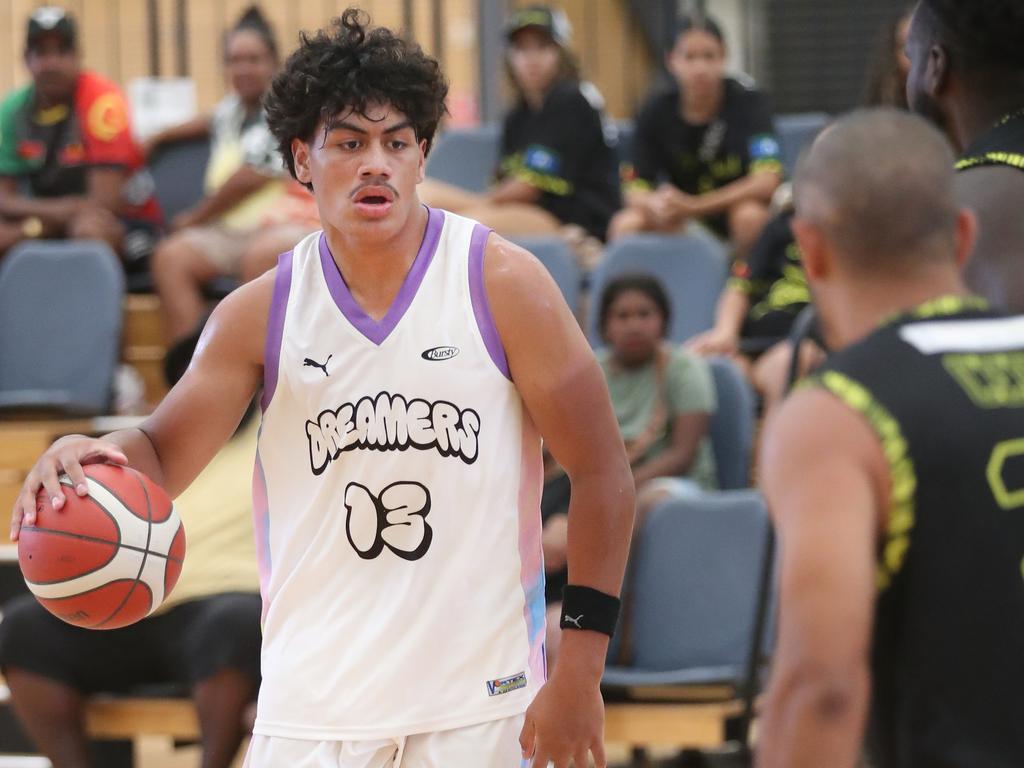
889, 67
68, 164
663, 398
757, 309
251, 212
556, 166
206, 636
704, 150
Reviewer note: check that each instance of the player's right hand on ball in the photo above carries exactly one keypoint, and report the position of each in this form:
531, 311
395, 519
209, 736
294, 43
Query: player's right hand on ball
66, 456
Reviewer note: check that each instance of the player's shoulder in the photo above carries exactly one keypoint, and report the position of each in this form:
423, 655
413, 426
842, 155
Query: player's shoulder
240, 320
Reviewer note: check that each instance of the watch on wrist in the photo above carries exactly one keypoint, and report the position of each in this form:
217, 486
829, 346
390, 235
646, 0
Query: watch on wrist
32, 227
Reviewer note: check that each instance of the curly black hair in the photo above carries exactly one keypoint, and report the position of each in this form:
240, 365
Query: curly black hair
348, 68
981, 34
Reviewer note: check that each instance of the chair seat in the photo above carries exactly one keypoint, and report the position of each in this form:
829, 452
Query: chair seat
629, 677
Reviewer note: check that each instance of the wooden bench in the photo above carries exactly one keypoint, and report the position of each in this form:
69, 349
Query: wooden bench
143, 343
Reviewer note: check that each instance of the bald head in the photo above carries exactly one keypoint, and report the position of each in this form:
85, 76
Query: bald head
878, 183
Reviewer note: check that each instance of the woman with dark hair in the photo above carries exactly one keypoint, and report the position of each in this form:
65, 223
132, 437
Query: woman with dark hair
704, 150
251, 211
889, 67
556, 166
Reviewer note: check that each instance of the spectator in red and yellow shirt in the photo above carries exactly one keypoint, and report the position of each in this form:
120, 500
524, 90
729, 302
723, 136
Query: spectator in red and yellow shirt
68, 164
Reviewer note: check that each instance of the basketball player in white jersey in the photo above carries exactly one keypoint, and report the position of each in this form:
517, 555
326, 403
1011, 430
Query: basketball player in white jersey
410, 362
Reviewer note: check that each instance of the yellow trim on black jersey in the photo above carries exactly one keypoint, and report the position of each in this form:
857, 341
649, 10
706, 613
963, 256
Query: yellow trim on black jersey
513, 165
1012, 159
901, 468
941, 306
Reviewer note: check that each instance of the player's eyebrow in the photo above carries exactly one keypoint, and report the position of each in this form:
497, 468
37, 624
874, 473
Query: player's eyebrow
338, 124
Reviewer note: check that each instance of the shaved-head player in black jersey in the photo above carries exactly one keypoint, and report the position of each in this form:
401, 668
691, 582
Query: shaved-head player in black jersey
967, 75
895, 476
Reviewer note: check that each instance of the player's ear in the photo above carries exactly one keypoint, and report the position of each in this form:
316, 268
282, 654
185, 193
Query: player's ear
813, 248
300, 157
936, 74
966, 236
422, 170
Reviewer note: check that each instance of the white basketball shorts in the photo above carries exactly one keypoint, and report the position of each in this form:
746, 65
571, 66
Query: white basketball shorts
487, 745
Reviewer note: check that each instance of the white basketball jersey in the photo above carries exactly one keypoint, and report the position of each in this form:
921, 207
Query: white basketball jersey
397, 496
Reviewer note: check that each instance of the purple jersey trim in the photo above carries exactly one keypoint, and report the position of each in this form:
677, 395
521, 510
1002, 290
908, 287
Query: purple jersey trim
275, 327
378, 330
481, 307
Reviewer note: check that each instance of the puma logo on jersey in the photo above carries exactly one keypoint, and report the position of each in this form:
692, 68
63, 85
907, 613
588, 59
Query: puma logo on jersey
395, 519
575, 621
392, 423
440, 353
307, 363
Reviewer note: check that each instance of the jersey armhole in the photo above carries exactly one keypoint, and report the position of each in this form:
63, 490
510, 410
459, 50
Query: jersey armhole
275, 327
481, 306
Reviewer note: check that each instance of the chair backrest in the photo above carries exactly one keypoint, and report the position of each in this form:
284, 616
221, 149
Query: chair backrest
178, 171
695, 572
60, 325
555, 255
692, 269
466, 157
796, 132
732, 426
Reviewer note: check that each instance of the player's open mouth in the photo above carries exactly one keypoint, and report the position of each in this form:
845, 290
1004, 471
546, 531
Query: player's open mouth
374, 202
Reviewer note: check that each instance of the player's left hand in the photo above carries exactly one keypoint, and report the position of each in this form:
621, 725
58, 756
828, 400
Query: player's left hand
564, 723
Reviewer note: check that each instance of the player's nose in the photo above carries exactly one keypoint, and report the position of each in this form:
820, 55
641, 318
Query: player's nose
375, 162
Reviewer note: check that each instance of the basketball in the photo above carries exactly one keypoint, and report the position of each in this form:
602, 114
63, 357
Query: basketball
108, 559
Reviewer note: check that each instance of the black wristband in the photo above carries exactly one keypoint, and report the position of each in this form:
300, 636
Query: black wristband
586, 608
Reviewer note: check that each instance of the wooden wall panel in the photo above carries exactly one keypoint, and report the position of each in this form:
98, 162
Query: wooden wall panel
116, 41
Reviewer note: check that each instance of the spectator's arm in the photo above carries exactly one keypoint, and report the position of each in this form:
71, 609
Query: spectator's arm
104, 187
242, 183
55, 212
197, 128
513, 190
724, 337
759, 186
825, 481
688, 429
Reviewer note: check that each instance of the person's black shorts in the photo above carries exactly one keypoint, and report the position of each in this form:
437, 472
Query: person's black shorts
185, 645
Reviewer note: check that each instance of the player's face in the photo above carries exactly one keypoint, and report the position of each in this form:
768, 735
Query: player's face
697, 61
54, 69
920, 96
364, 170
534, 60
250, 65
634, 328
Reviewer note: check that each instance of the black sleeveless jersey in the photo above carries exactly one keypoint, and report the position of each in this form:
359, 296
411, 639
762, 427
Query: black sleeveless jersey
943, 388
1003, 145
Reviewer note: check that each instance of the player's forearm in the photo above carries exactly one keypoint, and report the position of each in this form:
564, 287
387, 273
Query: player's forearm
601, 510
756, 186
813, 720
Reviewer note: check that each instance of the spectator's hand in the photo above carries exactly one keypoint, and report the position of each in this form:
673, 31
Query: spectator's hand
714, 342
66, 456
555, 543
565, 722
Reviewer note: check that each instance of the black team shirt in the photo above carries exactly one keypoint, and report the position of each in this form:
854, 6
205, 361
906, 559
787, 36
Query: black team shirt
563, 151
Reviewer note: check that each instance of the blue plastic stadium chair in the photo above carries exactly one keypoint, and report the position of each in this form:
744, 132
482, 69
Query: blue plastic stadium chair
60, 326
555, 255
732, 426
466, 157
694, 580
796, 132
692, 268
178, 171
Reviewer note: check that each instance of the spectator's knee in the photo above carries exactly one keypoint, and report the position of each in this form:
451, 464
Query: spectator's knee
96, 224
746, 220
628, 221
